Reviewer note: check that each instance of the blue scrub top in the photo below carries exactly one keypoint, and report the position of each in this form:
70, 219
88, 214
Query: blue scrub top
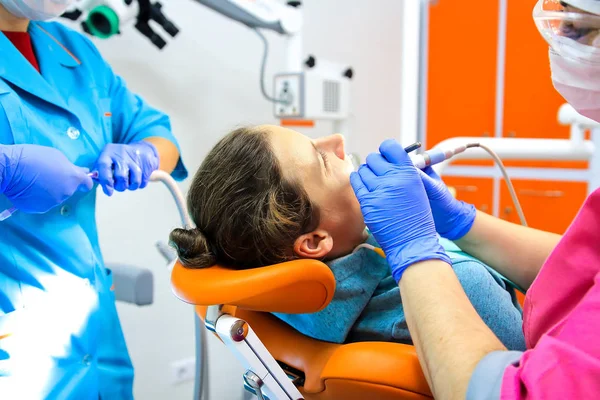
60, 337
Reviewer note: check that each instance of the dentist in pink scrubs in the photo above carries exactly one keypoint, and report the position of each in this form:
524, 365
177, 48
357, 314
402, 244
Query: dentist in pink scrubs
406, 209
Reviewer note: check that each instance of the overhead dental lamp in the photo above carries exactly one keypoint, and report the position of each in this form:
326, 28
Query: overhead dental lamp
308, 88
104, 18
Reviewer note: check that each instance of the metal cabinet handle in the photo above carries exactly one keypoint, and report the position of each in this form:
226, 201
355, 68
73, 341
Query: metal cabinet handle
466, 188
541, 193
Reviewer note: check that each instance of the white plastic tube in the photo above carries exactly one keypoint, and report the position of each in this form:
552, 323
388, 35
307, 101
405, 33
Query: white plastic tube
520, 149
169, 182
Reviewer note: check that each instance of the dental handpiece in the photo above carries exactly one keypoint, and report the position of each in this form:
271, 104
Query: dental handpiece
10, 211
435, 156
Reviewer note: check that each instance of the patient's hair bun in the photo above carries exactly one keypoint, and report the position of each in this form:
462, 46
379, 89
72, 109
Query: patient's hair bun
192, 248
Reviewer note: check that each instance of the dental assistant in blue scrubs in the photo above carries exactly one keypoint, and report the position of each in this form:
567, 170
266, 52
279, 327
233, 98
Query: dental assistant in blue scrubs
63, 113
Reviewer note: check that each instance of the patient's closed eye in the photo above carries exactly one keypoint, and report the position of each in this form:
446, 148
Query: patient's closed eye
324, 156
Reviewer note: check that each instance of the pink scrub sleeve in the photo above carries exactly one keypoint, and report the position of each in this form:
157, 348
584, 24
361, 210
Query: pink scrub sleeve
561, 325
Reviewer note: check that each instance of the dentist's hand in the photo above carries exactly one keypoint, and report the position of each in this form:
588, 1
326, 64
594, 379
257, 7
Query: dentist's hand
126, 166
37, 178
396, 209
453, 218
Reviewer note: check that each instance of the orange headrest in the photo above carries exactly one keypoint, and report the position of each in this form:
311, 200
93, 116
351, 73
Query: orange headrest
293, 287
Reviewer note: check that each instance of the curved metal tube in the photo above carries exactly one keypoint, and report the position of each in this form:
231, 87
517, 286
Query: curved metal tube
169, 182
200, 381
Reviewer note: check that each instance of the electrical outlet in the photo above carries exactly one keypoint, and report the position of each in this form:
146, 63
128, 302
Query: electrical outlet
183, 370
288, 87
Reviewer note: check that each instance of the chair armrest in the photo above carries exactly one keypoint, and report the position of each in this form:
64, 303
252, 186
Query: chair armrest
133, 285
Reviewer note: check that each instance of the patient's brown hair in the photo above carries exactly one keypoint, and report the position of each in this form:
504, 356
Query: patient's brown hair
246, 213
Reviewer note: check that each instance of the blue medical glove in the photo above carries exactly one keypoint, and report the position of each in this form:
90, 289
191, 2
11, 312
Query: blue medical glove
126, 166
396, 209
37, 178
453, 218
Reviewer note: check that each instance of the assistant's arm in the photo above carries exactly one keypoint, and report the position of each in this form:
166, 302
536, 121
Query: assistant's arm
135, 120
167, 151
515, 251
448, 334
565, 364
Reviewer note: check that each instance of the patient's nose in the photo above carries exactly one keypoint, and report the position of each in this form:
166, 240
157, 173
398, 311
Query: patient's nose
333, 143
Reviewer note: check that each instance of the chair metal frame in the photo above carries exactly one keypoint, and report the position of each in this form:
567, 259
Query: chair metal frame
264, 376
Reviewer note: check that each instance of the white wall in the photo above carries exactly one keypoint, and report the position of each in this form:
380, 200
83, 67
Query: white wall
207, 80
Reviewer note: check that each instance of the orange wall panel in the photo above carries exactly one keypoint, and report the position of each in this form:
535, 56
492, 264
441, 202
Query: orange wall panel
531, 103
461, 69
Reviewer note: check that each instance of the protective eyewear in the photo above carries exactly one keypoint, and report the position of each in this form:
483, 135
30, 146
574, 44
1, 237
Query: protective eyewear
571, 32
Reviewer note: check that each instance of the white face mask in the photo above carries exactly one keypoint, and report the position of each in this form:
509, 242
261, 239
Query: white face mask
36, 10
577, 79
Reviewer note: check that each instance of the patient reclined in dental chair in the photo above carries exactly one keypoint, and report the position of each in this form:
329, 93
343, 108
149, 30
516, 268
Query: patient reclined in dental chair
318, 369
268, 203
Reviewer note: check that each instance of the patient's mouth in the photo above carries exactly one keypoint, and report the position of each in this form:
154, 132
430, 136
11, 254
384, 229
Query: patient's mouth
353, 160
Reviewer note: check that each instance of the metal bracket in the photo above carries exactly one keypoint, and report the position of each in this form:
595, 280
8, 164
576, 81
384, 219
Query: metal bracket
264, 375
212, 315
254, 381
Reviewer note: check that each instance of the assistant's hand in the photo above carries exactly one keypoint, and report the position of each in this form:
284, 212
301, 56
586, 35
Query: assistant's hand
126, 166
396, 209
38, 178
453, 218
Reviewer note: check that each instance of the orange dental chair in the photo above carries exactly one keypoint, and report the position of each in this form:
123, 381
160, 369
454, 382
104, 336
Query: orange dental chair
282, 363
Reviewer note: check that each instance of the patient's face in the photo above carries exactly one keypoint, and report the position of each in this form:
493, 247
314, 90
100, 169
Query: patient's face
323, 169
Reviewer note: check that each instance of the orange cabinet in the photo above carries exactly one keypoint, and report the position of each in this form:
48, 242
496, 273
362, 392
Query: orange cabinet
547, 205
530, 101
461, 82
476, 191
462, 89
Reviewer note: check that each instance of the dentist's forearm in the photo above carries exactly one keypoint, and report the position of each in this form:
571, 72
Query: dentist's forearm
515, 251
448, 334
167, 151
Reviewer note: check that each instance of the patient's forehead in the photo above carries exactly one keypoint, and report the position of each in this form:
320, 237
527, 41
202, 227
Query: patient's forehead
294, 151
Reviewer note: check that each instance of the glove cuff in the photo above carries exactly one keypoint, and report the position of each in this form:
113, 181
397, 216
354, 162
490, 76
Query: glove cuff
6, 166
3, 162
149, 145
462, 223
414, 252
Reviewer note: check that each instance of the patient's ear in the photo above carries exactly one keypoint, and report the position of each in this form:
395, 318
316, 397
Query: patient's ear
315, 244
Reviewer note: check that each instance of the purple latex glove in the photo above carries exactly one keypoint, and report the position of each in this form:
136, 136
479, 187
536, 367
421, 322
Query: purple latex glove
453, 218
395, 207
37, 178
126, 166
